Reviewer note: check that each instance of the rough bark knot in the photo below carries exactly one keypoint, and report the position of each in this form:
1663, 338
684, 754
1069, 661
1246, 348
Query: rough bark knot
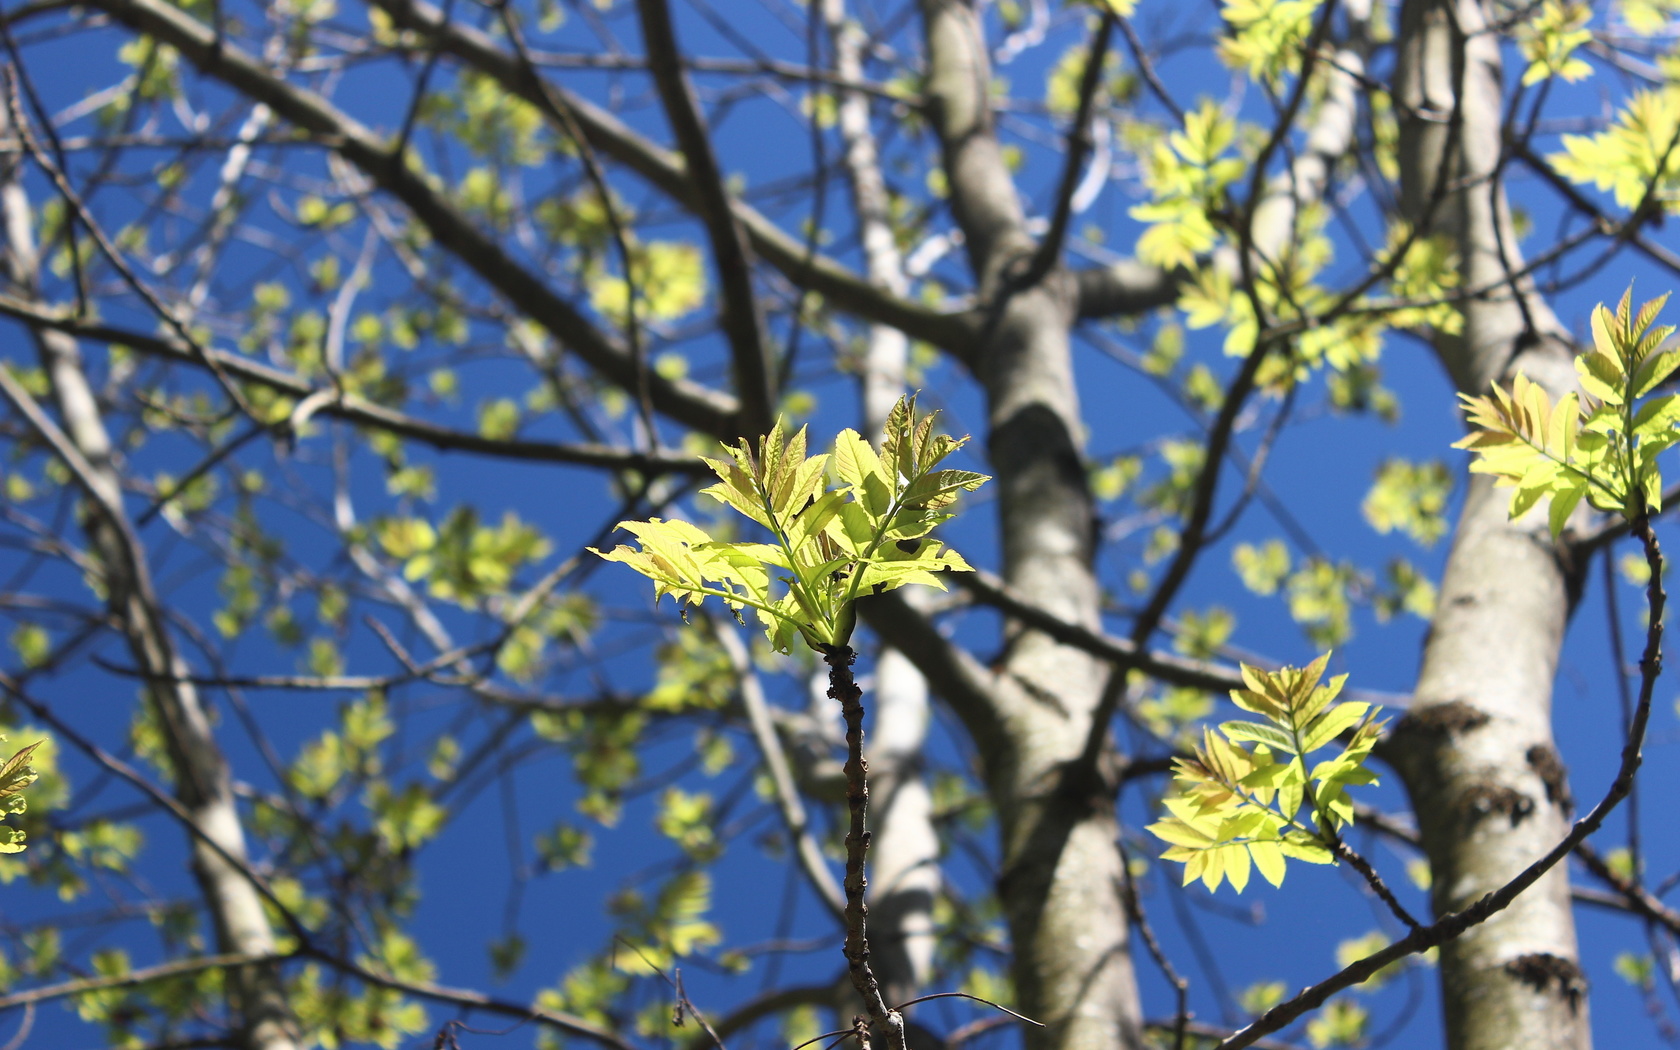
1484, 800
1543, 970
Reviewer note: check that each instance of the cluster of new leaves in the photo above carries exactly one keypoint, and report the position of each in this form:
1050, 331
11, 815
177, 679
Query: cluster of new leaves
1602, 447
1550, 39
1236, 808
15, 774
1632, 157
867, 536
1188, 175
1267, 37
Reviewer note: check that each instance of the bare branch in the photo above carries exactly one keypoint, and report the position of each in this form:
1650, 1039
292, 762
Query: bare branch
781, 777
839, 286
358, 410
1125, 289
143, 975
743, 318
687, 402
1049, 250
1123, 653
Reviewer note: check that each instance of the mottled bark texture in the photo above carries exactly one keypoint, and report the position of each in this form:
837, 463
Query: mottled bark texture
1476, 749
1061, 868
202, 781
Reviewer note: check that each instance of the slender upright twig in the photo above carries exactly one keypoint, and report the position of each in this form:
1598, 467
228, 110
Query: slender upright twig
843, 687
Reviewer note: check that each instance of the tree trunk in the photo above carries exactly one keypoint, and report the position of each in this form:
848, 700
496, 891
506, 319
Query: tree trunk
1476, 749
201, 779
1061, 866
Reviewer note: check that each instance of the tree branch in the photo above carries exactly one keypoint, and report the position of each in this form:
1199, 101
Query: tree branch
1454, 924
686, 402
743, 318
1121, 652
355, 409
1049, 250
781, 777
1125, 289
839, 286
951, 671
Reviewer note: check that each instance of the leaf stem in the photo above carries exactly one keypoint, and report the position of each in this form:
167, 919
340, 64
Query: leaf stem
796, 582
1328, 834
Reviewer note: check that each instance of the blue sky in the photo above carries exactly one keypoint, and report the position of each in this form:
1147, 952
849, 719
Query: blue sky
1320, 470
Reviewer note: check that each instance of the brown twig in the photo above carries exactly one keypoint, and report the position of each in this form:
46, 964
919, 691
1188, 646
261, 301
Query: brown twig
843, 687
976, 998
1140, 922
1358, 863
1078, 146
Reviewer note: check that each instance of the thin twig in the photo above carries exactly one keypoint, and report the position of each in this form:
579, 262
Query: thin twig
1140, 922
805, 847
561, 111
975, 998
114, 256
1454, 924
1049, 249
357, 410
843, 688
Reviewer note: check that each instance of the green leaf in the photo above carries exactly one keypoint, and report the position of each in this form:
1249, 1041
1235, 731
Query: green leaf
32, 644
1268, 858
1227, 797
1261, 568
1630, 155
1327, 726
1654, 371
1259, 733
1410, 498
1563, 505
1657, 416
1342, 1023
1302, 846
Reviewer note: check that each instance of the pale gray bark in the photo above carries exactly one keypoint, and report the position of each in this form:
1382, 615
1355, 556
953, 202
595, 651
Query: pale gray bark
202, 781
1329, 139
1476, 749
1060, 871
1060, 864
